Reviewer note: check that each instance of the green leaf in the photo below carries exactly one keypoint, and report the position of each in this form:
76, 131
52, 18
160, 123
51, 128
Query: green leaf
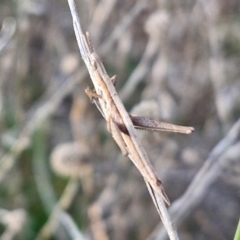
237, 234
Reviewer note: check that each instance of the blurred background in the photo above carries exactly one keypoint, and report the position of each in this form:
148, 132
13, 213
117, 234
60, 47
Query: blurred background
61, 174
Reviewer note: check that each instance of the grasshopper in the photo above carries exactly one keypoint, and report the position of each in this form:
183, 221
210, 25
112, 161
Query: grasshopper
119, 123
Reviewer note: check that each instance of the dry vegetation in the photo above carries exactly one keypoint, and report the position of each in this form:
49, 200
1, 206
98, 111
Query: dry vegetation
62, 176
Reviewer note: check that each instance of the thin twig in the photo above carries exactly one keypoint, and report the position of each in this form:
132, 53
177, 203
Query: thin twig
99, 19
123, 25
155, 28
217, 68
64, 203
71, 226
7, 31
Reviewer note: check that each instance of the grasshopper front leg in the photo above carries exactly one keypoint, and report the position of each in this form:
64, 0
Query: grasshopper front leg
112, 126
92, 94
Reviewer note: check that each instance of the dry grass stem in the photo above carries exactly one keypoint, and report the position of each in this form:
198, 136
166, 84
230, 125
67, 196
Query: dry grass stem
106, 92
63, 204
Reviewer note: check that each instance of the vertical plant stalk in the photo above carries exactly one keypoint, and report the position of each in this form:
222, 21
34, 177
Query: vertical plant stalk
118, 121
